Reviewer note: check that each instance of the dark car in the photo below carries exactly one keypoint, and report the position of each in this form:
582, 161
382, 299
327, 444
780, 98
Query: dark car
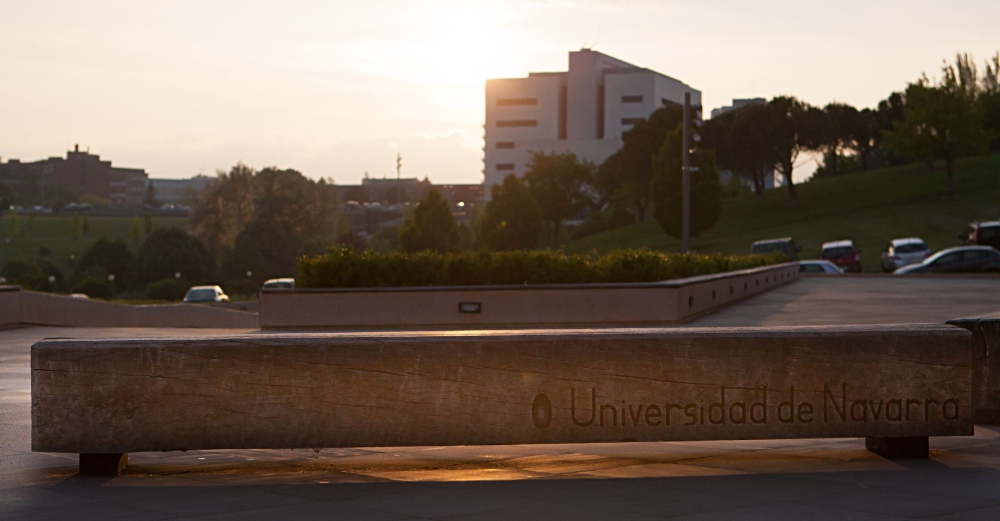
843, 254
784, 245
963, 259
982, 234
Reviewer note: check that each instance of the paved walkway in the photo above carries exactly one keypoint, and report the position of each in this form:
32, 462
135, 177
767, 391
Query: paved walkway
772, 480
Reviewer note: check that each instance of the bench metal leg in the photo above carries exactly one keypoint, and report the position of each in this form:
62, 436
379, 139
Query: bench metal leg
107, 464
908, 447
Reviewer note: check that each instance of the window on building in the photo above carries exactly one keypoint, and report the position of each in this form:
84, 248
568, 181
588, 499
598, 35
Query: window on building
505, 144
630, 121
516, 101
517, 123
505, 167
631, 99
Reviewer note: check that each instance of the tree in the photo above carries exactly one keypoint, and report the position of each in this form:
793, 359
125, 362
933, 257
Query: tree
33, 273
512, 220
432, 227
738, 138
113, 257
169, 251
864, 136
833, 131
302, 208
706, 192
224, 207
942, 121
265, 250
790, 127
627, 174
989, 98
561, 184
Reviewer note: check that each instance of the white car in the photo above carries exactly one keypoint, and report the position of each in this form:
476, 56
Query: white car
206, 294
820, 266
903, 252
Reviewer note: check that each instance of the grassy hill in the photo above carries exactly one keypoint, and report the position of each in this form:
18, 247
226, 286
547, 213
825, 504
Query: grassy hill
870, 208
56, 234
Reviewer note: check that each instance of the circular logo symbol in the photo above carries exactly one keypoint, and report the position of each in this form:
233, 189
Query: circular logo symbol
541, 411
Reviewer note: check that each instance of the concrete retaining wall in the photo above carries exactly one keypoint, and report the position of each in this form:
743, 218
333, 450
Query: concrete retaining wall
518, 306
44, 309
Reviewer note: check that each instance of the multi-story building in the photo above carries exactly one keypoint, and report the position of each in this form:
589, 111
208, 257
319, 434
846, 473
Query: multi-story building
79, 173
179, 191
583, 111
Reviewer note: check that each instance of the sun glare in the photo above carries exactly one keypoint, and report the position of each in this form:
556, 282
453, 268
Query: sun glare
446, 44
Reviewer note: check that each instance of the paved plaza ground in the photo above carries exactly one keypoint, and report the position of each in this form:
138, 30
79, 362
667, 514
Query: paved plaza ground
772, 480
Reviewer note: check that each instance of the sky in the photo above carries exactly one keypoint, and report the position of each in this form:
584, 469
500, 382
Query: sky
336, 88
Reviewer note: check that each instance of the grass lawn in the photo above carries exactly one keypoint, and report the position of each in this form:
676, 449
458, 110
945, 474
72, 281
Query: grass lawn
56, 233
870, 208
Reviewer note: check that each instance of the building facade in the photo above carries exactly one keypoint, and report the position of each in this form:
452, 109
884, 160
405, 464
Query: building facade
179, 191
583, 111
47, 181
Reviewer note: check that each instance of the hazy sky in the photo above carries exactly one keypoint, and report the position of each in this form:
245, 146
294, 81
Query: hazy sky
335, 88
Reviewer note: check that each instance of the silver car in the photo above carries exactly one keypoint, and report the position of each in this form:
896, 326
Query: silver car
820, 266
903, 252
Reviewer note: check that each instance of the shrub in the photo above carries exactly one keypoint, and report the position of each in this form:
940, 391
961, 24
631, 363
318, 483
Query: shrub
168, 289
95, 287
33, 273
346, 268
241, 287
110, 255
168, 251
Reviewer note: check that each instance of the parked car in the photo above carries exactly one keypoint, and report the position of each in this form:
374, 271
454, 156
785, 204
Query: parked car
961, 259
819, 266
784, 245
843, 254
206, 294
903, 252
279, 284
982, 234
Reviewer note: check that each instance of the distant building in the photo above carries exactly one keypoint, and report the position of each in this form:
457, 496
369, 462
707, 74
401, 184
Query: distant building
179, 191
738, 103
583, 111
79, 173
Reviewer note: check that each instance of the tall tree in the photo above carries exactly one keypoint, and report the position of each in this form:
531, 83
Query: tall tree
790, 128
989, 98
300, 207
512, 220
627, 174
738, 138
943, 120
706, 192
864, 136
562, 186
432, 227
833, 131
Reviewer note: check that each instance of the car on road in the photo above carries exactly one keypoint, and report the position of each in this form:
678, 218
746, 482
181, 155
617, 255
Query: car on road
287, 283
961, 259
843, 254
206, 294
982, 234
819, 266
783, 245
903, 252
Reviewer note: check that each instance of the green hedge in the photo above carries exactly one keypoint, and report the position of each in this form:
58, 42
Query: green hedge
346, 268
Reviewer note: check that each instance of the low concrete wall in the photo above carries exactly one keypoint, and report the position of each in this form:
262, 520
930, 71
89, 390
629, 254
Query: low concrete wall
10, 306
518, 306
501, 387
44, 309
